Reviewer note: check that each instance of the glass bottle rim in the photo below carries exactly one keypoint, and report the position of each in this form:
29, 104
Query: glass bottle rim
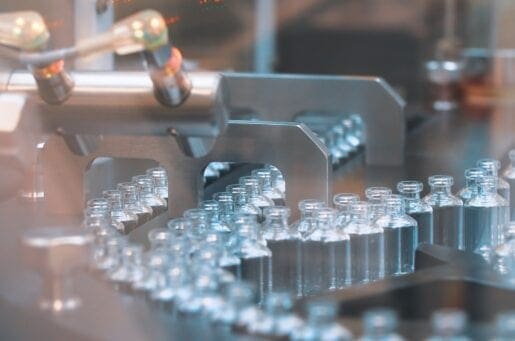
410, 186
344, 199
440, 181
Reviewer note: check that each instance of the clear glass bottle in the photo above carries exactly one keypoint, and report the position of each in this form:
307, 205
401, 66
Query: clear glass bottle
147, 195
212, 207
492, 167
160, 239
255, 197
130, 268
509, 176
400, 237
101, 260
366, 244
322, 324
484, 218
505, 326
375, 197
277, 179
472, 177
156, 263
307, 221
160, 181
179, 227
227, 259
111, 259
448, 325
447, 212
199, 226
118, 212
265, 184
284, 243
240, 199
103, 205
131, 202
278, 321
417, 209
96, 217
327, 261
172, 282
503, 258
255, 257
380, 325
343, 203
240, 311
226, 206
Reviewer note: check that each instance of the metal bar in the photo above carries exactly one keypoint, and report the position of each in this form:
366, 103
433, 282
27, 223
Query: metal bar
282, 97
301, 157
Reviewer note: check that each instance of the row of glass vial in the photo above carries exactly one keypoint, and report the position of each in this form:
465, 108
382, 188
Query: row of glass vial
473, 220
343, 135
133, 203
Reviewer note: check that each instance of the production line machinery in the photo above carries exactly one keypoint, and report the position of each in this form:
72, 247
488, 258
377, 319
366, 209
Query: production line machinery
57, 124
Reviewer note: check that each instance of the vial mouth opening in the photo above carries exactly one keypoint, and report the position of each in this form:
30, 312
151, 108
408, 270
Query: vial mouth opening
489, 164
377, 192
345, 198
325, 213
308, 205
474, 173
277, 212
441, 180
410, 186
223, 197
249, 181
209, 205
159, 234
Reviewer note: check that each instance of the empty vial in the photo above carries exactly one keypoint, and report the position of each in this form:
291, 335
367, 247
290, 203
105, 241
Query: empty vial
419, 210
448, 324
484, 218
509, 176
265, 182
199, 220
100, 259
283, 241
366, 244
254, 255
447, 212
147, 195
130, 269
327, 255
375, 197
278, 320
240, 198
491, 167
118, 212
95, 219
503, 258
400, 238
160, 239
343, 203
102, 205
380, 325
277, 179
471, 189
156, 263
226, 206
322, 324
227, 259
255, 197
131, 202
212, 207
505, 326
307, 221
160, 181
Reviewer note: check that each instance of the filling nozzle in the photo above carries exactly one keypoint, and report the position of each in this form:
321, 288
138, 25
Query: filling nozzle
171, 83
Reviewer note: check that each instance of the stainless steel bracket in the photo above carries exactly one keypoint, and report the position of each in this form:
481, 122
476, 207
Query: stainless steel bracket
293, 148
280, 98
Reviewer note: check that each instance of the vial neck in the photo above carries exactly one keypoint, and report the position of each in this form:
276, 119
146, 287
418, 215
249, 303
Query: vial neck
441, 190
411, 196
277, 222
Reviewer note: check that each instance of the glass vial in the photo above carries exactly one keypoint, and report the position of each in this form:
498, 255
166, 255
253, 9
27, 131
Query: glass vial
366, 244
491, 167
118, 212
375, 197
417, 209
343, 203
448, 324
471, 189
132, 203
509, 176
400, 238
283, 242
484, 218
327, 258
447, 212
160, 181
267, 189
322, 324
380, 325
147, 195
